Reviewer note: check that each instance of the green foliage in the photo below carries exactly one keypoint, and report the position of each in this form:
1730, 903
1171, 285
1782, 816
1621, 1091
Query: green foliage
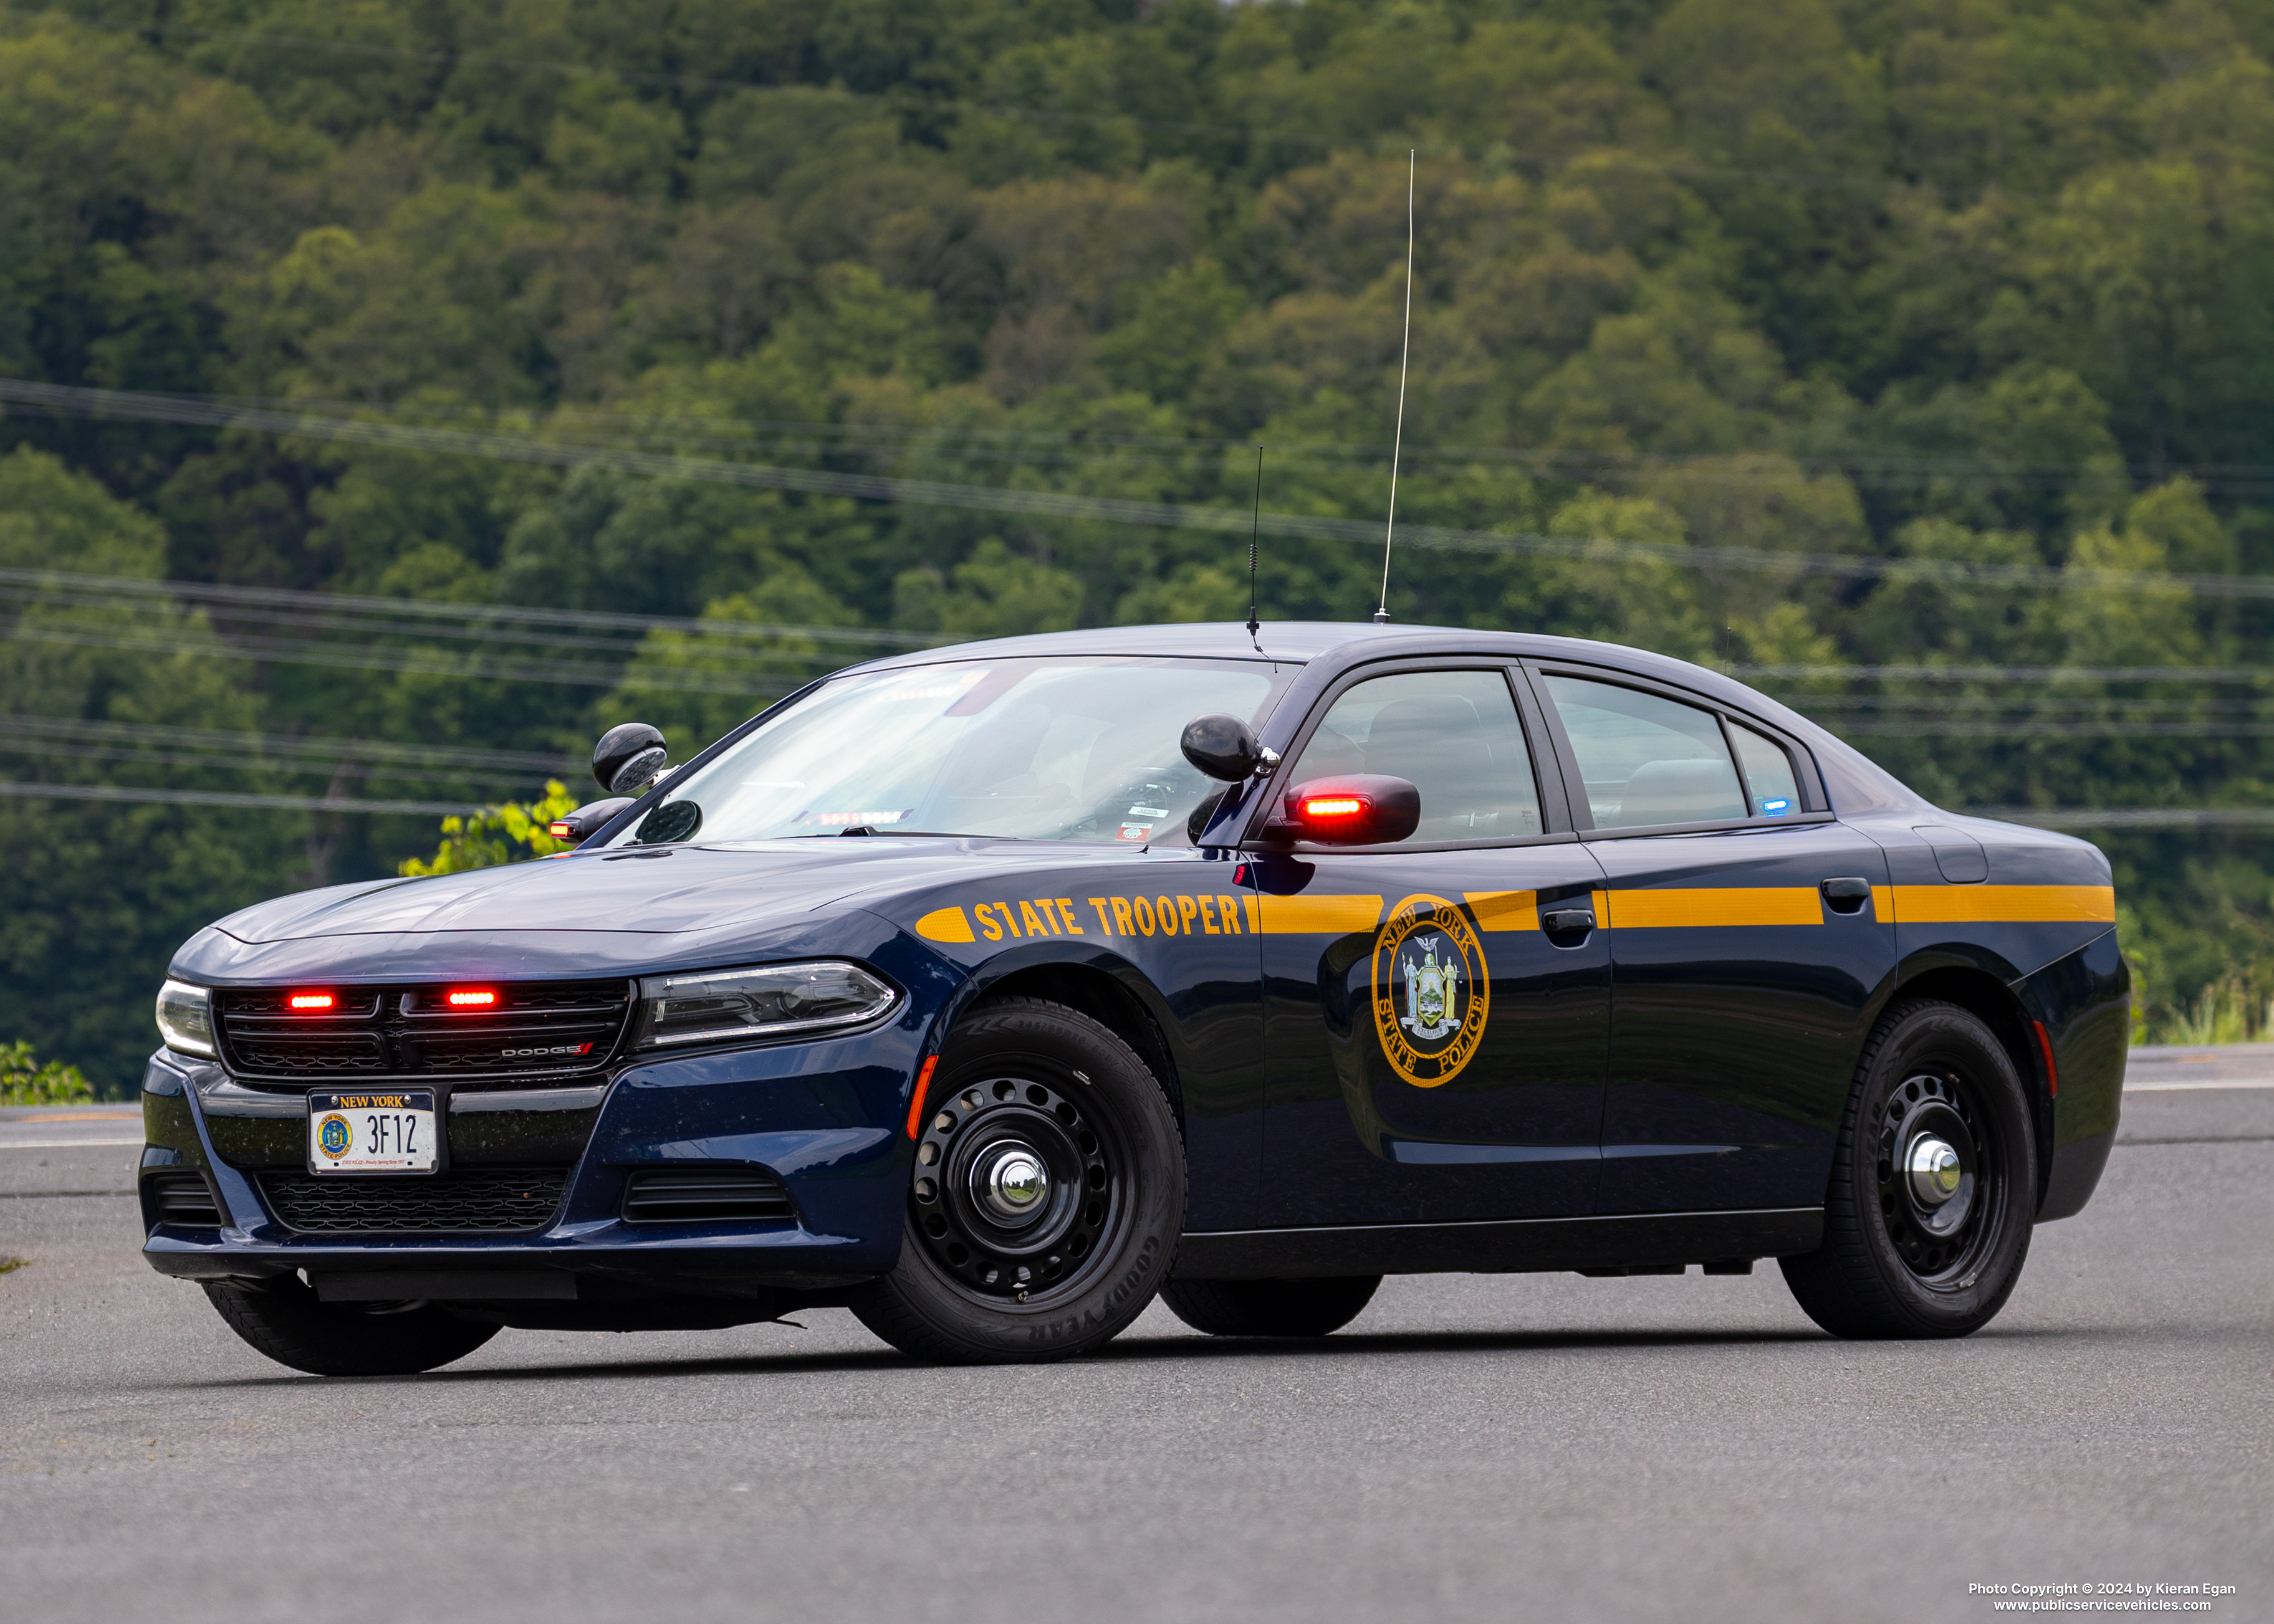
1954, 286
511, 832
26, 1081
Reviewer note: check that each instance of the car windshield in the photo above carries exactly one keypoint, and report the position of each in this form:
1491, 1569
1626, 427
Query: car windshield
1074, 748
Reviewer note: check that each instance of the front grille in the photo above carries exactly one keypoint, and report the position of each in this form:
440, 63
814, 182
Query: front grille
184, 1199
490, 1201
703, 1195
532, 1031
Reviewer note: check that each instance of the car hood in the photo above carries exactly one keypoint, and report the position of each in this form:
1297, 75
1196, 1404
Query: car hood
662, 892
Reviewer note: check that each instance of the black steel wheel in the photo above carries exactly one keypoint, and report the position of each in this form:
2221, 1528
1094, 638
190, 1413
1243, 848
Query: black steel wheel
1047, 1195
1933, 1186
1270, 1307
285, 1319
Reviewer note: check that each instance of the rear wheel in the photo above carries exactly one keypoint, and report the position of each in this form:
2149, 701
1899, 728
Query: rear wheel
285, 1319
1048, 1194
1927, 1220
1270, 1307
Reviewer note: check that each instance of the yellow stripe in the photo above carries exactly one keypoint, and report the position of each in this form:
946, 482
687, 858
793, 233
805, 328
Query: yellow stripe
1504, 910
1883, 904
2005, 904
1319, 916
944, 925
1750, 905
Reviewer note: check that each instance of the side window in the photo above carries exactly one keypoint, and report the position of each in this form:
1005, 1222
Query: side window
1453, 734
1646, 760
1768, 772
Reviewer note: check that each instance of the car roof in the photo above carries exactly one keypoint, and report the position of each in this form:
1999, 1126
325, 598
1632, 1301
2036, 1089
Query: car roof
1303, 642
1352, 641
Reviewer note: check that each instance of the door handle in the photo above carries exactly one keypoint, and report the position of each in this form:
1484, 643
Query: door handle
1558, 921
1848, 895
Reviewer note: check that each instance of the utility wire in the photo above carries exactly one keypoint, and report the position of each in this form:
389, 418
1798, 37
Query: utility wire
374, 751
1068, 505
219, 798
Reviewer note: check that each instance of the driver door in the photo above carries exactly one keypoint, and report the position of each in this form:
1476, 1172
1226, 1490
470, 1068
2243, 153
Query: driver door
1431, 1052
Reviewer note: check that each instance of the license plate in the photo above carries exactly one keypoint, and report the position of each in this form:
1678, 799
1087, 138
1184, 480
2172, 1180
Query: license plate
372, 1133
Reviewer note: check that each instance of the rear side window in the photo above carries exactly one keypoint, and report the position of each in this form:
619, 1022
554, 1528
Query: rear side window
1646, 760
1453, 734
1768, 772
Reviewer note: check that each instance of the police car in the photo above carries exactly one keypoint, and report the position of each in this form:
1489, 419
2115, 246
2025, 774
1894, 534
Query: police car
993, 990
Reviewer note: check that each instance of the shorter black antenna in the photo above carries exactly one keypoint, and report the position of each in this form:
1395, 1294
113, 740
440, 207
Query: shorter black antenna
1398, 446
1256, 529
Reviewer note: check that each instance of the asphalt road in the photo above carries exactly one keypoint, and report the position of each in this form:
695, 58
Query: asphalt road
1474, 1446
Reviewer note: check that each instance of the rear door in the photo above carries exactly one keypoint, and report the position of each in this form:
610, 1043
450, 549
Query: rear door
1739, 986
1430, 1051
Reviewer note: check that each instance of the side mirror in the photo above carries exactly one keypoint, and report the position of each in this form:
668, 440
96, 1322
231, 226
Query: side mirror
578, 825
628, 756
1361, 808
1220, 747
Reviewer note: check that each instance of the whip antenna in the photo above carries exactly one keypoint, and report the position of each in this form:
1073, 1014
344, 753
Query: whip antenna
1398, 446
1255, 625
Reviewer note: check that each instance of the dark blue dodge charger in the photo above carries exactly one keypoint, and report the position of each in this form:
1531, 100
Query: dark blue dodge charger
992, 990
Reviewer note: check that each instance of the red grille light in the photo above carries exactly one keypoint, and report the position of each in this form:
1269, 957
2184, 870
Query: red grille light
310, 1002
471, 998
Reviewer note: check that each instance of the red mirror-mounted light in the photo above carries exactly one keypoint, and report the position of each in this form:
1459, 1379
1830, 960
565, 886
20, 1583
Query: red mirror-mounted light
1352, 809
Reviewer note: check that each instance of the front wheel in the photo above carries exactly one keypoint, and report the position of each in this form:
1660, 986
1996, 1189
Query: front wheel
1933, 1185
286, 1321
1048, 1194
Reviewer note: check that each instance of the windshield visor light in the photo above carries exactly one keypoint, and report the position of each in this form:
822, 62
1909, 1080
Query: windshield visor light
186, 1018
716, 1006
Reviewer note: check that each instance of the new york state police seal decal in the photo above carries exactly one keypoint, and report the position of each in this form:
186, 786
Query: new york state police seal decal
1432, 990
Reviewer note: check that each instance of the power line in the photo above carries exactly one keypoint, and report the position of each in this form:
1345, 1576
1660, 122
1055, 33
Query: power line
324, 609
2012, 674
2128, 817
1066, 505
219, 798
585, 620
664, 680
947, 441
369, 750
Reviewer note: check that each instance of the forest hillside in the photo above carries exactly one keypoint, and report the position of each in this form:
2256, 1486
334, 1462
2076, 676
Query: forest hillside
397, 392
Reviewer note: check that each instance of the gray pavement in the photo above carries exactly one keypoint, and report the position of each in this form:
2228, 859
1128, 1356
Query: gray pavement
1474, 1446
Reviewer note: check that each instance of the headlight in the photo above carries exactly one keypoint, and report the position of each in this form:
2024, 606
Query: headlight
710, 1007
186, 1018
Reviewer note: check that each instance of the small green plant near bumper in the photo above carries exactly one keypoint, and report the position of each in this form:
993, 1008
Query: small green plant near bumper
8, 1264
25, 1081
511, 832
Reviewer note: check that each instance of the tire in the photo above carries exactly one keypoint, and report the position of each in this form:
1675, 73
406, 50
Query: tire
285, 1319
978, 1283
1270, 1307
1904, 1255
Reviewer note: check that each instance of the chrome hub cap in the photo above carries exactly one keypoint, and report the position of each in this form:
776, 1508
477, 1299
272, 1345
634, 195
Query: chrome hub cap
1934, 1171
1014, 1183
1932, 1193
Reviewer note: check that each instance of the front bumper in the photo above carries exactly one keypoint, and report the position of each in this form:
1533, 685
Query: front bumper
821, 1117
